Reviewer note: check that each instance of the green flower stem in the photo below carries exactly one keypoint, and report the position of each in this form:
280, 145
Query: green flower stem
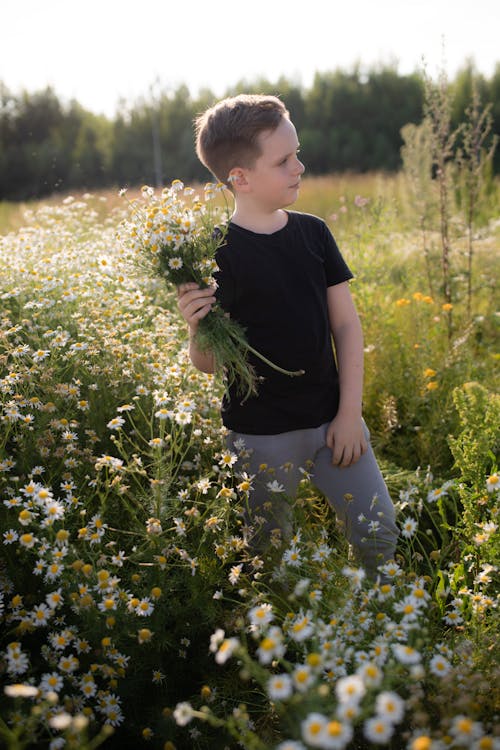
226, 339
291, 373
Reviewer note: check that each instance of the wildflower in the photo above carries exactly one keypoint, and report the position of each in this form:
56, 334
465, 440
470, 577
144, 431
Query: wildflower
19, 690
271, 647
203, 485
493, 483
378, 730
228, 459
409, 527
180, 526
226, 650
336, 735
302, 627
465, 730
350, 689
355, 575
88, 685
322, 553
302, 677
41, 615
183, 713
158, 677
406, 654
10, 536
261, 615
439, 666
421, 743
487, 743
51, 683
279, 687
291, 556
391, 570
27, 540
153, 526
370, 673
275, 486
60, 721
312, 729
453, 617
145, 607
115, 423
213, 523
144, 635
390, 706
291, 745
68, 664
113, 715
235, 573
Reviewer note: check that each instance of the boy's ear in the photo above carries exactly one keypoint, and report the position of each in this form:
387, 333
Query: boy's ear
237, 178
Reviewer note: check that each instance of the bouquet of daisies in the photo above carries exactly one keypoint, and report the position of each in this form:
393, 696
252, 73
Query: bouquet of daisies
177, 233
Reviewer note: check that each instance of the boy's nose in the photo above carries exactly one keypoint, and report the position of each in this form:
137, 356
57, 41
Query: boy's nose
300, 169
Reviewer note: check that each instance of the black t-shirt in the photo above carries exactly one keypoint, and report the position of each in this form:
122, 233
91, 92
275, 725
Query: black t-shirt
275, 286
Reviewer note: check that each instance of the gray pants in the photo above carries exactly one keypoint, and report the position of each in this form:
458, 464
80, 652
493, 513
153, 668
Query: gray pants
357, 493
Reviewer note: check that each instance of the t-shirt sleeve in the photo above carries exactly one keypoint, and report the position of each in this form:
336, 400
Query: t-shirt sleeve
336, 269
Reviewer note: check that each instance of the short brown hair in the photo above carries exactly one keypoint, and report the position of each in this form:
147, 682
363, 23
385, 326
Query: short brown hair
227, 133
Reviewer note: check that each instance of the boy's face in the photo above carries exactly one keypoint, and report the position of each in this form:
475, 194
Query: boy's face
273, 181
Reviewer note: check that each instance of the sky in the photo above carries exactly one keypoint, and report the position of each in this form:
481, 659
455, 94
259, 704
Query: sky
101, 51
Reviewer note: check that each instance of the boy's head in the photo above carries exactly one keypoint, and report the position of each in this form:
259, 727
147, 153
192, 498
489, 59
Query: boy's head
227, 134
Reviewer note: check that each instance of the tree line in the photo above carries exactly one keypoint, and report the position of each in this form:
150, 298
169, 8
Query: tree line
347, 121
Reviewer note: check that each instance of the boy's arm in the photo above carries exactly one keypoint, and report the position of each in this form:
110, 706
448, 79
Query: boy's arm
194, 303
345, 435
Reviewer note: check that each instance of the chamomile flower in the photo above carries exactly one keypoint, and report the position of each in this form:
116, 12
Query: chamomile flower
116, 423
409, 527
406, 654
51, 682
279, 687
336, 735
261, 615
303, 677
390, 706
302, 626
439, 666
312, 728
350, 689
226, 650
465, 730
271, 646
378, 730
292, 557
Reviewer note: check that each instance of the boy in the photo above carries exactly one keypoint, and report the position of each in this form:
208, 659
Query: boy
283, 278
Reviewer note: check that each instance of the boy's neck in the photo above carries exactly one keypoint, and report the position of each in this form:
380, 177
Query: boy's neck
261, 223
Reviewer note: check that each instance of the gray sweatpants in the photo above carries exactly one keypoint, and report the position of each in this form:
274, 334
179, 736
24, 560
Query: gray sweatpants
357, 493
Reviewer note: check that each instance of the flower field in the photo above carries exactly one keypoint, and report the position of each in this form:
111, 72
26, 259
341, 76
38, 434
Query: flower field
133, 611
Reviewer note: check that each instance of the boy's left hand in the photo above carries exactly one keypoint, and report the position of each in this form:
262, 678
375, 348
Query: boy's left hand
346, 439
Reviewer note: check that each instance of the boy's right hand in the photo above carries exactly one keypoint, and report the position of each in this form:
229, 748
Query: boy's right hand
194, 303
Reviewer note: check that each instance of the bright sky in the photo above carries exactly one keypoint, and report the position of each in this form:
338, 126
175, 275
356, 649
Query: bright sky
98, 51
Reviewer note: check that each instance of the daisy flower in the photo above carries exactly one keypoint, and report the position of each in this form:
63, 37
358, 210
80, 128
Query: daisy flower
279, 687
378, 730
390, 706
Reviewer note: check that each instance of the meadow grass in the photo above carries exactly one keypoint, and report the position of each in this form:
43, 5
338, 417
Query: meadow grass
133, 609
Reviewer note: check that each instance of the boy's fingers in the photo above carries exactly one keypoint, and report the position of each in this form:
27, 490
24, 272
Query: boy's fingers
186, 287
